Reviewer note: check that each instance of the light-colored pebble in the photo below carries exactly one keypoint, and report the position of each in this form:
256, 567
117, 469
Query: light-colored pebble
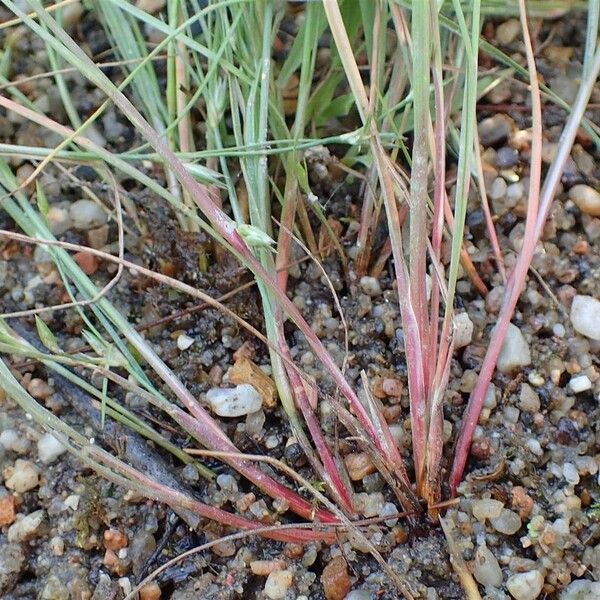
570, 473
580, 383
26, 528
498, 189
463, 330
59, 220
515, 351
49, 448
234, 402
525, 586
14, 442
277, 584
487, 508
586, 198
585, 316
529, 401
507, 523
581, 589
22, 477
184, 341
486, 568
359, 465
507, 32
86, 214
494, 130
370, 286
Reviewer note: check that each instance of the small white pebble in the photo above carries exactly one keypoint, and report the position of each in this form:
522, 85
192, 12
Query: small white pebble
525, 586
370, 286
534, 446
277, 584
580, 383
49, 448
72, 501
184, 342
570, 473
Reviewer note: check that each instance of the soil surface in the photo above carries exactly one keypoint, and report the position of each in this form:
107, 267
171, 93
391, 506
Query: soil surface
525, 519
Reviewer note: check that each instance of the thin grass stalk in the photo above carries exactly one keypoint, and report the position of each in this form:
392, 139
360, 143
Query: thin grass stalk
536, 215
390, 182
421, 35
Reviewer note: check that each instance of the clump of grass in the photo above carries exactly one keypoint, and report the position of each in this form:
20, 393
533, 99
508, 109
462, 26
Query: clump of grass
426, 87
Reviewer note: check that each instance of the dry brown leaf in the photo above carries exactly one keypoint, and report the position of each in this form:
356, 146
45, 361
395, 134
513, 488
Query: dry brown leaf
245, 371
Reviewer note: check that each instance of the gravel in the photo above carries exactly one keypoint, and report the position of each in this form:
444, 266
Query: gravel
586, 198
234, 402
585, 316
277, 584
486, 569
86, 214
515, 352
525, 586
49, 448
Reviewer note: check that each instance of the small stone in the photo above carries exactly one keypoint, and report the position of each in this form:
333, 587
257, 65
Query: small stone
525, 586
27, 528
586, 198
335, 579
57, 545
507, 32
54, 589
14, 442
86, 214
277, 584
581, 589
359, 595
234, 402
39, 389
151, 591
115, 540
494, 130
49, 448
514, 193
72, 501
184, 341
370, 286
486, 508
486, 568
463, 330
498, 189
529, 401
266, 567
97, 238
151, 6
59, 220
12, 566
87, 261
515, 351
579, 384
227, 482
585, 316
22, 477
508, 522
506, 157
7, 510
570, 473
359, 465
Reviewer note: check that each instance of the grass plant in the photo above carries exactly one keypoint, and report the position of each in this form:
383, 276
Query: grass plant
401, 111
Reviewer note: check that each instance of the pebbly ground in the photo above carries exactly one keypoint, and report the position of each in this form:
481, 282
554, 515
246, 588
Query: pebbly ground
526, 522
